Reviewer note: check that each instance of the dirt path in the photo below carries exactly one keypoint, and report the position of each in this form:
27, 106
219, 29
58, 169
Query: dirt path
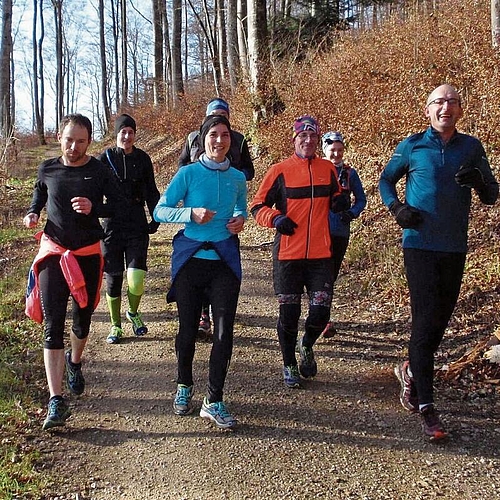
345, 436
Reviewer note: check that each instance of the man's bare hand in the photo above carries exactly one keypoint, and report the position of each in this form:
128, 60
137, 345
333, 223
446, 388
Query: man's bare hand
30, 220
81, 205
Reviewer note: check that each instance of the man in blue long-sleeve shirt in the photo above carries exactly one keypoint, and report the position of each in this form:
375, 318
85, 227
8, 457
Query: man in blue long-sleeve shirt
441, 166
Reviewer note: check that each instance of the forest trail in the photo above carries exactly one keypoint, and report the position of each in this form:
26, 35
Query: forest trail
344, 436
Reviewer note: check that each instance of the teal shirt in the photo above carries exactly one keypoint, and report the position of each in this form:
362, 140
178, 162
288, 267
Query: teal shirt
429, 167
196, 186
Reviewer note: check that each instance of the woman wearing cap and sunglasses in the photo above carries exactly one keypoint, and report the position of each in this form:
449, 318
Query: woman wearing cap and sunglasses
333, 147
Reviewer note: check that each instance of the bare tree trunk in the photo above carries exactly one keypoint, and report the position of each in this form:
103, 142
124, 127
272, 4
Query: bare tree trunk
114, 14
38, 73
57, 4
242, 20
178, 85
123, 4
495, 23
6, 123
104, 69
233, 63
257, 52
158, 94
168, 62
221, 39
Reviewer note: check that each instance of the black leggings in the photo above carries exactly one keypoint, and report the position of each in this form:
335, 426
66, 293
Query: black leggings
222, 288
434, 280
54, 294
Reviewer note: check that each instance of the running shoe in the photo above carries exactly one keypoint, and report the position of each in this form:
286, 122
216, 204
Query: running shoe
204, 329
182, 401
138, 325
329, 331
307, 366
74, 375
291, 377
115, 334
218, 414
408, 392
431, 424
57, 413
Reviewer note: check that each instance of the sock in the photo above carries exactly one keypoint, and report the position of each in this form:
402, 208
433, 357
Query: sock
135, 290
114, 306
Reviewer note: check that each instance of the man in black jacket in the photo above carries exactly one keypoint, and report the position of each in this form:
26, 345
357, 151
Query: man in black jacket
126, 239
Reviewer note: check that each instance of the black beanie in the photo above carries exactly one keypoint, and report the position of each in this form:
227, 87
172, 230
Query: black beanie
124, 121
209, 122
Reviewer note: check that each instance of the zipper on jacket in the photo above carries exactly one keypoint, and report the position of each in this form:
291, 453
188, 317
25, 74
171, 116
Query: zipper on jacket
309, 225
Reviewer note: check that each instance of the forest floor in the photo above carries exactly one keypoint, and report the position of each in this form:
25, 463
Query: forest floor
343, 436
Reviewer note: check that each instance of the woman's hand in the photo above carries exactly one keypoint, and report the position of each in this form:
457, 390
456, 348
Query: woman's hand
202, 215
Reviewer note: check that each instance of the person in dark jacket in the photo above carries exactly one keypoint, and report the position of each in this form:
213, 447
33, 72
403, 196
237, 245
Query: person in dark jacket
441, 167
126, 241
239, 156
332, 144
72, 187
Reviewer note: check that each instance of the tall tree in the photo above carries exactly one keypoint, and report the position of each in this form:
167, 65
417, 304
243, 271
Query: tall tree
232, 44
38, 77
6, 121
258, 55
221, 37
158, 86
58, 25
104, 68
116, 38
124, 65
242, 25
177, 83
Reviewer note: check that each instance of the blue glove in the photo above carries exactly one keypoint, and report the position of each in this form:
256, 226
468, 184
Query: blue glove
284, 225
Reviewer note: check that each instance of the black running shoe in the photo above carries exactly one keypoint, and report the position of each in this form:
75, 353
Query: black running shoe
57, 414
74, 376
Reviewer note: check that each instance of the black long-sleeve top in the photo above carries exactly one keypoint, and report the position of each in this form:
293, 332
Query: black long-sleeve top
57, 184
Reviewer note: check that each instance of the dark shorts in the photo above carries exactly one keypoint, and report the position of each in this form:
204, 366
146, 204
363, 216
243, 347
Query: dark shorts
293, 276
122, 252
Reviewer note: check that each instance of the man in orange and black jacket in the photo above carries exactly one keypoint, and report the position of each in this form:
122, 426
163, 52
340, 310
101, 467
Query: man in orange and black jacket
295, 197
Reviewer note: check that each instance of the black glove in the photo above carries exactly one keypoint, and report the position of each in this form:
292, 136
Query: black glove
284, 225
346, 216
340, 202
407, 217
470, 177
153, 227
